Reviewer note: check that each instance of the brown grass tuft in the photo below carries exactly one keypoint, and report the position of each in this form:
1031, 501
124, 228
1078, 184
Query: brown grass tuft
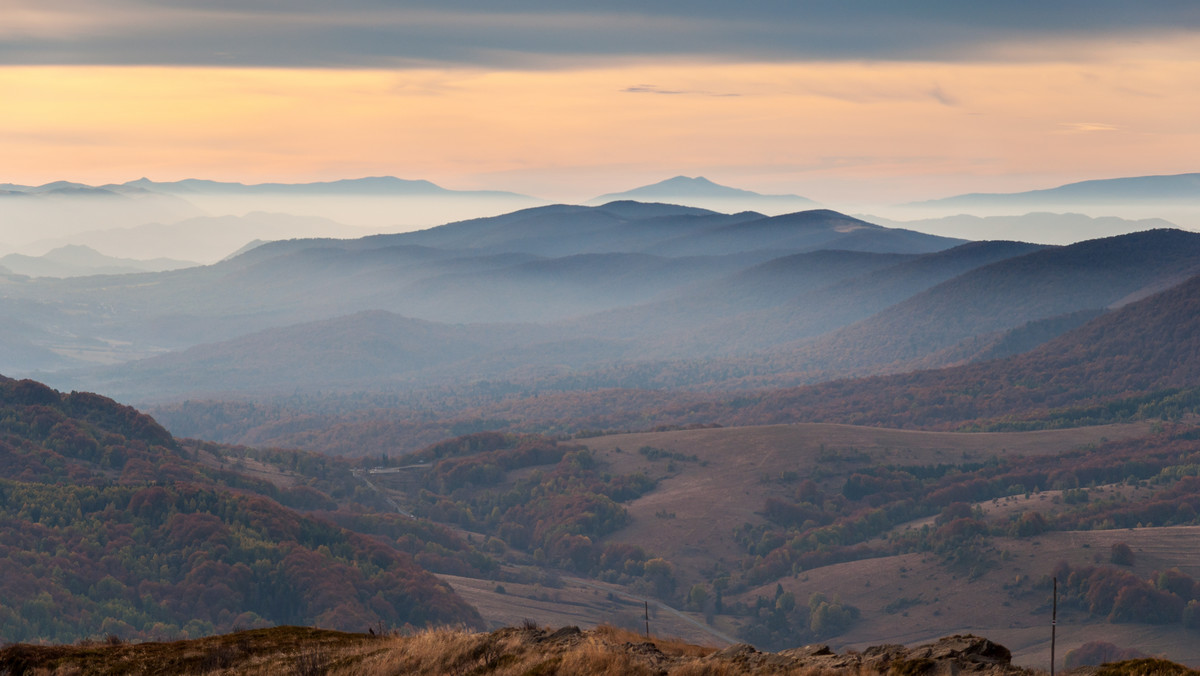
512, 651
671, 646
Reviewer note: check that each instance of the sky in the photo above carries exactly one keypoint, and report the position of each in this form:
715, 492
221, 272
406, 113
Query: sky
868, 101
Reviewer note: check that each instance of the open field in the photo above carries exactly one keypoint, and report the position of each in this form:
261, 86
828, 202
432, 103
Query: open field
689, 518
710, 481
586, 603
912, 598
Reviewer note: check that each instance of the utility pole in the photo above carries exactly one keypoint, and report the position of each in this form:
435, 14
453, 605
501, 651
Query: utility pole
1053, 625
647, 616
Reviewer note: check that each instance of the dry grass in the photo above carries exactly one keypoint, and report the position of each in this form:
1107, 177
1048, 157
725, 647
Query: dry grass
670, 646
739, 468
523, 650
281, 651
291, 651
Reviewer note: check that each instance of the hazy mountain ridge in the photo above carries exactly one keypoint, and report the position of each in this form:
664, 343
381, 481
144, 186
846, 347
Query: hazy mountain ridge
1175, 198
617, 319
305, 280
842, 302
75, 260
206, 238
1142, 348
1113, 190
1009, 293
1142, 354
1039, 227
145, 219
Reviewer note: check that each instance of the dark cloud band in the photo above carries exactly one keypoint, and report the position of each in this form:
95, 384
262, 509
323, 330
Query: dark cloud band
544, 34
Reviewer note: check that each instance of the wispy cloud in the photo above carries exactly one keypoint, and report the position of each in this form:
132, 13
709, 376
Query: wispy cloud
1087, 127
655, 89
940, 95
650, 89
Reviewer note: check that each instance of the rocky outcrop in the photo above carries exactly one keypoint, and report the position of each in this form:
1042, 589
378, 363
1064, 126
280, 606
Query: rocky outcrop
947, 656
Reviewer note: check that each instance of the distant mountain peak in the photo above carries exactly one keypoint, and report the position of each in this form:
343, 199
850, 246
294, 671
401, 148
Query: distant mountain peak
698, 191
693, 181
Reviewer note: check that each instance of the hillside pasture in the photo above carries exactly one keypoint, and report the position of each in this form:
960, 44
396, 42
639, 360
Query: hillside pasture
911, 597
690, 517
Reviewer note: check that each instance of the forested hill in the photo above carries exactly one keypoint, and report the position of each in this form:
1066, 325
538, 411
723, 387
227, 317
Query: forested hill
108, 525
1144, 352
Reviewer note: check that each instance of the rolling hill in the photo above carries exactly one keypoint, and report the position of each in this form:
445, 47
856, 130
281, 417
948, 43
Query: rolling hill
725, 303
1001, 296
664, 229
601, 263
112, 526
1133, 361
1041, 227
1138, 349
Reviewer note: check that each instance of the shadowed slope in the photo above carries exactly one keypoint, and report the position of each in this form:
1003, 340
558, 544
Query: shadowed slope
1149, 345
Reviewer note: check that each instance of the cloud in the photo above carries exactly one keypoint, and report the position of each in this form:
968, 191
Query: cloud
556, 33
650, 89
655, 89
1087, 127
940, 95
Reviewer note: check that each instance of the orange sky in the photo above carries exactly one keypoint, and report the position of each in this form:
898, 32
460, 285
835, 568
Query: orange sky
865, 131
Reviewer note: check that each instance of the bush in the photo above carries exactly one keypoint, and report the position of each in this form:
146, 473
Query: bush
1121, 555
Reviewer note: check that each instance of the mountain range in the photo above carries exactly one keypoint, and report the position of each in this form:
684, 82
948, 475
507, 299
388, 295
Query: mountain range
545, 265
1175, 198
574, 412
205, 220
568, 298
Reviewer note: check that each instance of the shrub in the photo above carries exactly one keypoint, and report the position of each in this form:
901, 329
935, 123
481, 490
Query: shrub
1121, 555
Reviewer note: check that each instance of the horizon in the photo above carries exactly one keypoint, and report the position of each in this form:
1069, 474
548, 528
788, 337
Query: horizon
874, 104
581, 199
191, 222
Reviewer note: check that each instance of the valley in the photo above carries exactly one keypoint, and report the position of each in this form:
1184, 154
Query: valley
778, 430
712, 485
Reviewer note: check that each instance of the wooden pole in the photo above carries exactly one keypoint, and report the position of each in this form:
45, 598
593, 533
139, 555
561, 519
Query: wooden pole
1053, 625
647, 610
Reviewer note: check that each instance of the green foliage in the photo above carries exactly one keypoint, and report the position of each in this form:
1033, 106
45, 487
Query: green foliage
1121, 555
782, 622
1030, 524
558, 511
652, 453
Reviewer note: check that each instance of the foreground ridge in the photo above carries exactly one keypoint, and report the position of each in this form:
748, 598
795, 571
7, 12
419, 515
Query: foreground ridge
528, 649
